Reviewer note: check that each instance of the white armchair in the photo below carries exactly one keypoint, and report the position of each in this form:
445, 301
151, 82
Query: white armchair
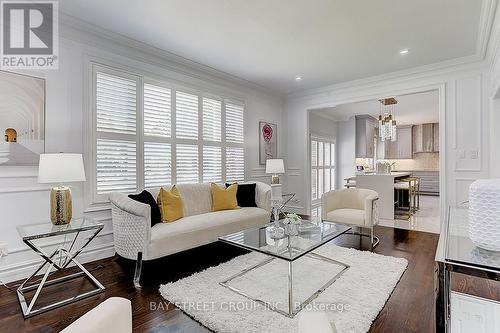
354, 206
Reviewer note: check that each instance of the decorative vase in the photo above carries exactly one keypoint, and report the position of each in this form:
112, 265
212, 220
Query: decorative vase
292, 229
484, 213
276, 231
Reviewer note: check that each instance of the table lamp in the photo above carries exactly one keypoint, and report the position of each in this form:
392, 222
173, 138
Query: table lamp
60, 168
275, 166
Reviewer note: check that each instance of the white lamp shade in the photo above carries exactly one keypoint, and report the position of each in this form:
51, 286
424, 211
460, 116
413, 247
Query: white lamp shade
61, 168
275, 166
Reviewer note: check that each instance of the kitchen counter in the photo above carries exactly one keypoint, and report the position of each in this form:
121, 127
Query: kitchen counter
383, 184
396, 174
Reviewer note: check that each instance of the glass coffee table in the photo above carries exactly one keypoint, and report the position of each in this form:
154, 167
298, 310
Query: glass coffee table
312, 235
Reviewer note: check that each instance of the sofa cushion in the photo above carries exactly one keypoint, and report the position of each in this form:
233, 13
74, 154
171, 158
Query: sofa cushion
196, 230
347, 216
197, 198
147, 198
224, 198
170, 203
245, 195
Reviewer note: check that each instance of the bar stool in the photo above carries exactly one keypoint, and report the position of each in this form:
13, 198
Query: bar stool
401, 187
350, 182
415, 181
411, 185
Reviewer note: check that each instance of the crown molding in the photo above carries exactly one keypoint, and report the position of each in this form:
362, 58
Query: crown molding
74, 29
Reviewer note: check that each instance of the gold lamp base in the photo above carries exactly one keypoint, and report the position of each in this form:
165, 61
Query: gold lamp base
61, 208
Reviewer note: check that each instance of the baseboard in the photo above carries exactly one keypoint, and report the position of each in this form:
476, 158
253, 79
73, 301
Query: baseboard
24, 269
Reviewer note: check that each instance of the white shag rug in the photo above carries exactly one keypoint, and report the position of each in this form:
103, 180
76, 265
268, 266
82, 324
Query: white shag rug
352, 302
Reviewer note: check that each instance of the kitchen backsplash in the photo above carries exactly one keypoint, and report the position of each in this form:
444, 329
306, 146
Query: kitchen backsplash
422, 161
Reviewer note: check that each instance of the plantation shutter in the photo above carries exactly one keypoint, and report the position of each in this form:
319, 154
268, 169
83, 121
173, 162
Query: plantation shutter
234, 123
116, 121
148, 134
212, 164
157, 111
186, 115
116, 166
212, 110
157, 164
115, 104
187, 163
235, 164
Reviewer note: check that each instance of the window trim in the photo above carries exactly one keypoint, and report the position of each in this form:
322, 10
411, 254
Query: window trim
141, 138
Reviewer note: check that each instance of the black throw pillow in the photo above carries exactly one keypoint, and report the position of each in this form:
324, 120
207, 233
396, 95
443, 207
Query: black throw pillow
245, 195
147, 198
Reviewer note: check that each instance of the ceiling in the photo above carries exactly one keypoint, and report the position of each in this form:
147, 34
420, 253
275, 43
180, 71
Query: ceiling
414, 109
270, 42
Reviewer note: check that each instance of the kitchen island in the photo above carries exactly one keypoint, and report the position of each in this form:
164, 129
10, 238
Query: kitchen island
383, 184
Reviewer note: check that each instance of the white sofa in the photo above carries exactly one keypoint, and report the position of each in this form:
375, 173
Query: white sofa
354, 206
135, 239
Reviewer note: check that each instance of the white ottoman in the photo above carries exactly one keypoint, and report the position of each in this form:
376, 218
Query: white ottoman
114, 315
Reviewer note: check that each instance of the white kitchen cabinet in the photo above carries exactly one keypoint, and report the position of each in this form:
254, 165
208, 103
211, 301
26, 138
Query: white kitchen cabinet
425, 138
402, 147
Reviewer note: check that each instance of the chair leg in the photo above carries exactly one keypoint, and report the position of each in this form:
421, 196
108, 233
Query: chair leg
373, 239
138, 270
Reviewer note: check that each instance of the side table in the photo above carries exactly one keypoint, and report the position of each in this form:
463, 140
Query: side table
64, 255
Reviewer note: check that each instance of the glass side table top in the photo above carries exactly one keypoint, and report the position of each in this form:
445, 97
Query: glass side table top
459, 247
312, 234
47, 229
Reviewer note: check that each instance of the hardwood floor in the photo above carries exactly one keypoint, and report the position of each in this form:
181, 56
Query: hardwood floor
409, 309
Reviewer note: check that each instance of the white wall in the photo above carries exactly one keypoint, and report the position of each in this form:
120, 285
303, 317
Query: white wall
23, 201
464, 107
346, 151
322, 126
495, 138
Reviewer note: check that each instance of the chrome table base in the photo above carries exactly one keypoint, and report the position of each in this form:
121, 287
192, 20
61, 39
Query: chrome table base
29, 310
292, 309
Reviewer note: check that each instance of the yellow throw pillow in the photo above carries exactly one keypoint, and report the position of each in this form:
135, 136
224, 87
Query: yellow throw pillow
222, 198
170, 204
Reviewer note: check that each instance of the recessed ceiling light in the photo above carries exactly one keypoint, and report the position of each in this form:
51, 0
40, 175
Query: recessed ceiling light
298, 78
404, 51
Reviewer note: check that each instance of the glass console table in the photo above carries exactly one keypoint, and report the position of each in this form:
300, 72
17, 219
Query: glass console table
75, 237
460, 256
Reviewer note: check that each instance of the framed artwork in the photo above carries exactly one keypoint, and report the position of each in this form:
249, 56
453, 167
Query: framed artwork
22, 119
268, 141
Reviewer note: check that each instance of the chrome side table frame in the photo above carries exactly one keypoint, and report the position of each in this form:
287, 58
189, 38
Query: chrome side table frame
59, 264
292, 309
